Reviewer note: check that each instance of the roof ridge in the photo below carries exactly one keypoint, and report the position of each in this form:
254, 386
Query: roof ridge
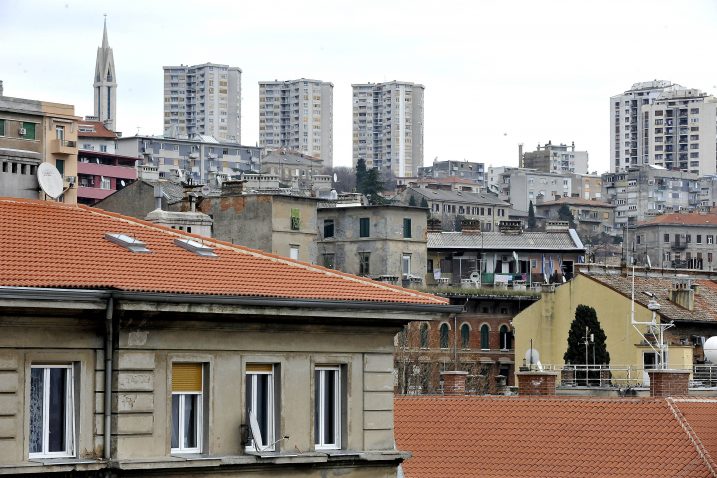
696, 442
267, 255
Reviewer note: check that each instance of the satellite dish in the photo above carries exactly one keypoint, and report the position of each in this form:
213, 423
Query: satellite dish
532, 357
336, 179
50, 180
206, 189
710, 348
122, 182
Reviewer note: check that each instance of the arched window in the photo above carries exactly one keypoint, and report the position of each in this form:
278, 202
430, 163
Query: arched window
465, 336
424, 336
444, 336
506, 338
484, 337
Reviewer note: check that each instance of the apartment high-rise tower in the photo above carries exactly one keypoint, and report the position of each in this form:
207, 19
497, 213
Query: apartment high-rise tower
388, 126
203, 99
298, 114
105, 85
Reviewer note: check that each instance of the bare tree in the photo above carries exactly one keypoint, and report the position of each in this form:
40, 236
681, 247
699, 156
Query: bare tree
346, 179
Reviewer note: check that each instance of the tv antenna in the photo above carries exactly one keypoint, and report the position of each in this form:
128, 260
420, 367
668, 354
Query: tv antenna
657, 330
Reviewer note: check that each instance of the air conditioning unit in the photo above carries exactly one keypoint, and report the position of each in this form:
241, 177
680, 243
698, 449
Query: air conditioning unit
22, 132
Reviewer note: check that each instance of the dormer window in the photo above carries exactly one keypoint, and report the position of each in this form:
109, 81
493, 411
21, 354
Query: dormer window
195, 247
131, 243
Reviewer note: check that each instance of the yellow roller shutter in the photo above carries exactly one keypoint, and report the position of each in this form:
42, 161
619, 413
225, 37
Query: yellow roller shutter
259, 367
186, 377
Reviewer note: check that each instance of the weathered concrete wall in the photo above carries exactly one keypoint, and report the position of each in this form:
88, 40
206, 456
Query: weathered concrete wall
136, 200
244, 220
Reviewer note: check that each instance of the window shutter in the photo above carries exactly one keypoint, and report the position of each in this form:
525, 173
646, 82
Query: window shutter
186, 377
259, 367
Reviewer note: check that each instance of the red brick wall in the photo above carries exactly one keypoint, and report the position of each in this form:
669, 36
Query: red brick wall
669, 383
536, 383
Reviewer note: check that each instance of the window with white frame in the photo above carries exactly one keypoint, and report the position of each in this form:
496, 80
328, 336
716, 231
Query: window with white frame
187, 386
260, 403
52, 422
406, 265
327, 407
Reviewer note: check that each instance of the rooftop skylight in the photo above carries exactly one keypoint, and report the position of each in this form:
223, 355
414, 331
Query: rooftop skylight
195, 247
128, 242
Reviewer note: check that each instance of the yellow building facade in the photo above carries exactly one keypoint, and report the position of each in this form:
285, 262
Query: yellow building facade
547, 323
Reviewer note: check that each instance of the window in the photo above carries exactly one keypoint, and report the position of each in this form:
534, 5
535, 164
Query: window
327, 407
328, 228
406, 228
186, 407
465, 336
666, 238
328, 260
60, 132
2, 127
443, 332
52, 422
260, 403
364, 261
295, 219
484, 337
424, 335
364, 227
294, 252
103, 148
406, 265
505, 338
699, 239
710, 239
29, 130
105, 183
60, 165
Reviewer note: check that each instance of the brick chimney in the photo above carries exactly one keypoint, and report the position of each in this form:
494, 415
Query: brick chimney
669, 383
454, 382
434, 225
470, 226
536, 383
233, 187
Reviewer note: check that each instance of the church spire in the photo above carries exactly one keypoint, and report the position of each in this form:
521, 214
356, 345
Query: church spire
105, 84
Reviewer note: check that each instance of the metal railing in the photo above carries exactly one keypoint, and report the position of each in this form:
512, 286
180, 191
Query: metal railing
703, 375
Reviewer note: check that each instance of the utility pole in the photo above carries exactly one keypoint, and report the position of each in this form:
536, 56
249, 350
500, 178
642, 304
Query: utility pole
587, 331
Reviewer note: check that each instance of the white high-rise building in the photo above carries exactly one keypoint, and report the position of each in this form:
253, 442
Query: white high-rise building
627, 124
388, 126
298, 115
203, 99
681, 133
105, 84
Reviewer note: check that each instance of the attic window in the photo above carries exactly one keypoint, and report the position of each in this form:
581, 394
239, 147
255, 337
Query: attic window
195, 247
128, 242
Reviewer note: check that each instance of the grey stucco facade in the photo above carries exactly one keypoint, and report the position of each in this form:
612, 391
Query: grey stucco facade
385, 249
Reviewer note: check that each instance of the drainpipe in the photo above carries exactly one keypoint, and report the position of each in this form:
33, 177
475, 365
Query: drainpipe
108, 377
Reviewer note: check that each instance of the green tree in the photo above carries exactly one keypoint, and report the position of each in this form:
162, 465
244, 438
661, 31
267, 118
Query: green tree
564, 214
586, 318
412, 201
361, 175
531, 217
373, 186
424, 203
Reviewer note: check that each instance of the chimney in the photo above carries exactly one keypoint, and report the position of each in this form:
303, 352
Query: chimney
1, 88
520, 155
470, 226
454, 382
536, 383
683, 294
158, 196
669, 383
233, 188
434, 225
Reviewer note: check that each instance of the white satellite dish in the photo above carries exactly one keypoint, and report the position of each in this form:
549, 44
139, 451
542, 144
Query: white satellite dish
710, 349
336, 179
206, 189
50, 180
122, 182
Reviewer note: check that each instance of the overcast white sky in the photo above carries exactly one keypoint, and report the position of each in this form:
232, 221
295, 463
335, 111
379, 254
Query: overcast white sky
497, 73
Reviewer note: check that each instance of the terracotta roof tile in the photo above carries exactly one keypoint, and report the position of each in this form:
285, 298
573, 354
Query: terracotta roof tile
541, 437
94, 129
48, 244
683, 219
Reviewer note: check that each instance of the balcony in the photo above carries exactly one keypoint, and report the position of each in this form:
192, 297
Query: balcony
679, 246
119, 172
63, 146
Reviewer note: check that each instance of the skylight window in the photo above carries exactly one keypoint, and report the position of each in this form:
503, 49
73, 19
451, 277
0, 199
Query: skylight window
131, 243
195, 247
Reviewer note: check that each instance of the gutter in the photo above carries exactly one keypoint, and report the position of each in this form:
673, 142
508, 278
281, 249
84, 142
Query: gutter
93, 295
109, 337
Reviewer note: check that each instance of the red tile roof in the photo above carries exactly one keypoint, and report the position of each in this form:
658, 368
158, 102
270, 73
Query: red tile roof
100, 131
45, 244
550, 437
680, 219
